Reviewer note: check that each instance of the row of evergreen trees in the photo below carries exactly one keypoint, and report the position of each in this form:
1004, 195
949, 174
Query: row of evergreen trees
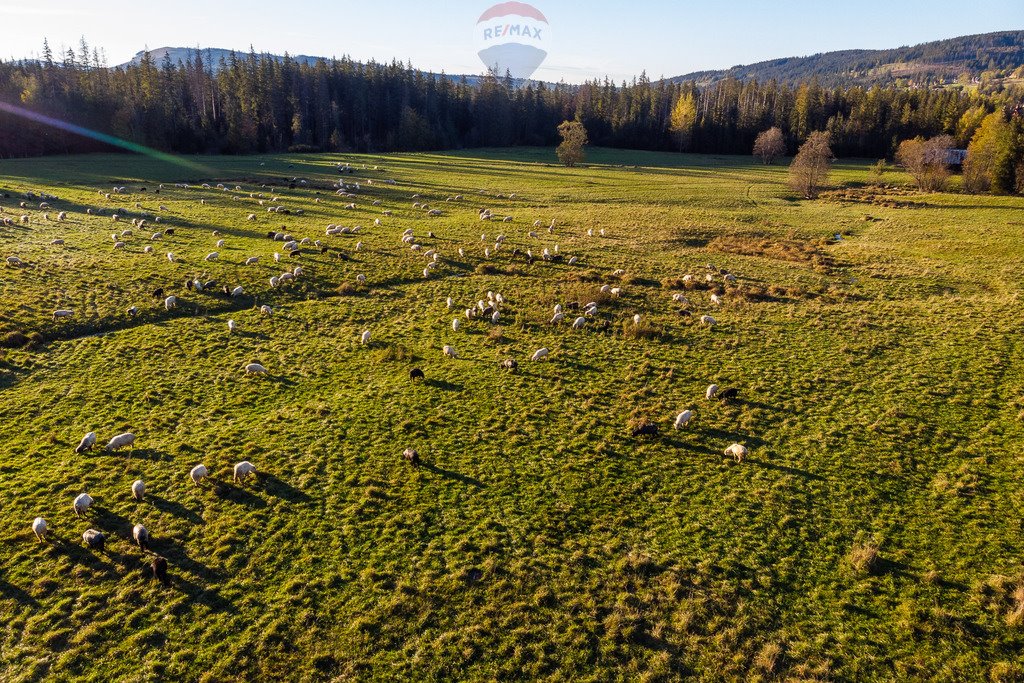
257, 103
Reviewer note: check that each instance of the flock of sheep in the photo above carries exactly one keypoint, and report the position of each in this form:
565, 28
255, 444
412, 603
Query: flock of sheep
489, 309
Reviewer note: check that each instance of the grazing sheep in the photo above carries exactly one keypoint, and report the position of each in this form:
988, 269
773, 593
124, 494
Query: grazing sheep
738, 451
14, 261
141, 536
708, 320
198, 472
540, 353
232, 326
716, 300
212, 256
251, 217
87, 442
557, 318
252, 260
636, 319
243, 470
82, 503
132, 311
237, 291
712, 390
411, 456
171, 302
579, 322
646, 429
39, 528
255, 369
455, 324
94, 539
159, 568
415, 374
120, 441
266, 310
727, 394
683, 419
63, 313
364, 338
510, 364
138, 489
448, 351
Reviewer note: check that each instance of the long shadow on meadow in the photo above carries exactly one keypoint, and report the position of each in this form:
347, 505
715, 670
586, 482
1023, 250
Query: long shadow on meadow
452, 475
174, 508
279, 488
19, 595
236, 494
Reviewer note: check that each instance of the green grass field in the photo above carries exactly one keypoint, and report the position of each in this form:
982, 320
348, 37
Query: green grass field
881, 398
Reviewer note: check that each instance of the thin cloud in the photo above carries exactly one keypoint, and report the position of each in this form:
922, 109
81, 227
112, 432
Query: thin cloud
22, 10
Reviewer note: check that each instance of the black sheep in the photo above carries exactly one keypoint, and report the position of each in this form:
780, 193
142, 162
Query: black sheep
646, 429
727, 394
159, 567
415, 373
158, 293
411, 456
510, 364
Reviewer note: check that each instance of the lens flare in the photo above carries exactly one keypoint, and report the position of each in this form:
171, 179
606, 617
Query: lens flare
101, 137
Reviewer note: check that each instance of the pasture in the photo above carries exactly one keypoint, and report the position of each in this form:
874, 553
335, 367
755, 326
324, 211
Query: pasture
873, 532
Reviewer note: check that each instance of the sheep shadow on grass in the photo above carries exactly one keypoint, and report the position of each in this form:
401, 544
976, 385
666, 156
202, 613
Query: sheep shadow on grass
174, 508
451, 474
784, 468
443, 385
178, 559
209, 597
19, 595
279, 488
228, 491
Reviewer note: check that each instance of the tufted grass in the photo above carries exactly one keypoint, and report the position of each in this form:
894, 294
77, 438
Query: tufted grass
881, 397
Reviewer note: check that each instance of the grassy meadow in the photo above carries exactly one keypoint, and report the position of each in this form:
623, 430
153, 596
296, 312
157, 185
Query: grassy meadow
873, 533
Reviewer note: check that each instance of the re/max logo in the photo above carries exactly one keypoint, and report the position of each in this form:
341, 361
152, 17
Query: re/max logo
512, 30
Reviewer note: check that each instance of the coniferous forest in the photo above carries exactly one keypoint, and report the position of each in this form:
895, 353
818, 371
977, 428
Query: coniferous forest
257, 103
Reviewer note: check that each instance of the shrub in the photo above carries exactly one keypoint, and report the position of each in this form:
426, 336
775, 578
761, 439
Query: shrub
14, 340
864, 556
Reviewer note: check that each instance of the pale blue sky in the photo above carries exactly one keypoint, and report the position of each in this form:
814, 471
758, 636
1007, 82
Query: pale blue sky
617, 39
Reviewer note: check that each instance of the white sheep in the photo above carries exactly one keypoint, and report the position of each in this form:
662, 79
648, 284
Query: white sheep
138, 489
141, 536
198, 472
579, 322
243, 470
495, 317
716, 300
364, 338
738, 451
711, 391
274, 281
212, 256
220, 244
82, 503
237, 291
255, 369
636, 319
39, 528
14, 261
540, 353
455, 324
120, 441
232, 326
171, 302
448, 351
170, 256
708, 320
266, 310
87, 442
557, 318
252, 260
63, 313
94, 539
682, 419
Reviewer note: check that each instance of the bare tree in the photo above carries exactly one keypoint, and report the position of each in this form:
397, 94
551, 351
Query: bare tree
810, 167
574, 138
926, 161
770, 145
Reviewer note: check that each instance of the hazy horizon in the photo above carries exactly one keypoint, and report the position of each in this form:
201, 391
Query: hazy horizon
592, 43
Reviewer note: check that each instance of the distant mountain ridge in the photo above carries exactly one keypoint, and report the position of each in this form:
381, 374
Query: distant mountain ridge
940, 61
